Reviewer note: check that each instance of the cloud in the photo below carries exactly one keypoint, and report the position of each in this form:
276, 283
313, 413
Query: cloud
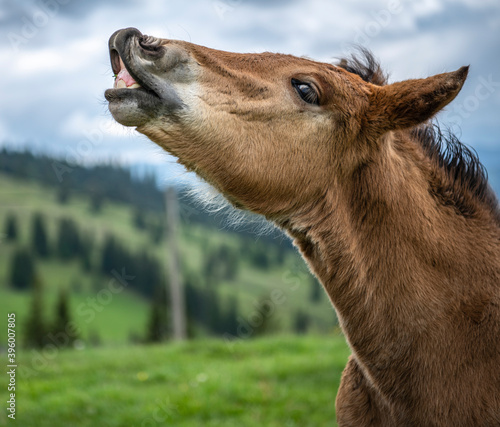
15, 12
54, 80
79, 124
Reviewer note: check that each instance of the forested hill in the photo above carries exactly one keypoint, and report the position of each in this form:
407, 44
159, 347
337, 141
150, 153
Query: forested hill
106, 181
115, 183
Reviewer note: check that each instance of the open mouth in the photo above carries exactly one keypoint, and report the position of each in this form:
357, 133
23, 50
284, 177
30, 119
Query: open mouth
123, 79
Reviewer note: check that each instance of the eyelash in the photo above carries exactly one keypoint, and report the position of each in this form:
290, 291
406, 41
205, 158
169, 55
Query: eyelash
306, 91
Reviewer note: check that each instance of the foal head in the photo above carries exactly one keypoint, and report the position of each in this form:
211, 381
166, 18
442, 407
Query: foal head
272, 132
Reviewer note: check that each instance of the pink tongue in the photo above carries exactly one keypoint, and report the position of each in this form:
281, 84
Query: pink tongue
125, 76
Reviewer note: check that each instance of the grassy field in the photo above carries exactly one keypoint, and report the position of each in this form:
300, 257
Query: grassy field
278, 381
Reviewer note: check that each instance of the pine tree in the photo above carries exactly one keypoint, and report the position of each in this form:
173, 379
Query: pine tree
155, 326
40, 242
316, 290
233, 263
114, 256
301, 322
35, 329
96, 202
11, 229
63, 193
86, 246
22, 270
259, 257
62, 335
68, 239
139, 219
267, 322
231, 317
158, 320
212, 310
109, 254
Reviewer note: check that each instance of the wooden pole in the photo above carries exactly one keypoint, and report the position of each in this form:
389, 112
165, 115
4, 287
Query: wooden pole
177, 304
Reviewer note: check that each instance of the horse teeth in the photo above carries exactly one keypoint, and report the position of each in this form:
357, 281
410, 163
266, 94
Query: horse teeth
120, 84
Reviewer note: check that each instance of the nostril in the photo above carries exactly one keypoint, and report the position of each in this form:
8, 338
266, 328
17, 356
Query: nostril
149, 43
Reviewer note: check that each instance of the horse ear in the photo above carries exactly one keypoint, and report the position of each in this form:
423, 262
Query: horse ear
405, 104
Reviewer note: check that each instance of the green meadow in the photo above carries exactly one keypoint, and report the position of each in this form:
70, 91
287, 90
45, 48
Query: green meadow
276, 381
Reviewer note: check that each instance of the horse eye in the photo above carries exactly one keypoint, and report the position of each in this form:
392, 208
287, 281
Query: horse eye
306, 91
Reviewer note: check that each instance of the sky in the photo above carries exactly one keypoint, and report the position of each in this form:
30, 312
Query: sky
55, 64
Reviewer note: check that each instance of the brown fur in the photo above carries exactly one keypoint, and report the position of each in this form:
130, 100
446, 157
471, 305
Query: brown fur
405, 241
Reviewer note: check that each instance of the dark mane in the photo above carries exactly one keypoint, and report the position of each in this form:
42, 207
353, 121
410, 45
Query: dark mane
465, 178
365, 65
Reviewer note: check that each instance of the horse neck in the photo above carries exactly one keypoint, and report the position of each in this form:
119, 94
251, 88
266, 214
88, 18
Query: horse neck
391, 257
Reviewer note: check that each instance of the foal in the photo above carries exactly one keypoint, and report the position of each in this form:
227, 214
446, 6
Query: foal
403, 233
